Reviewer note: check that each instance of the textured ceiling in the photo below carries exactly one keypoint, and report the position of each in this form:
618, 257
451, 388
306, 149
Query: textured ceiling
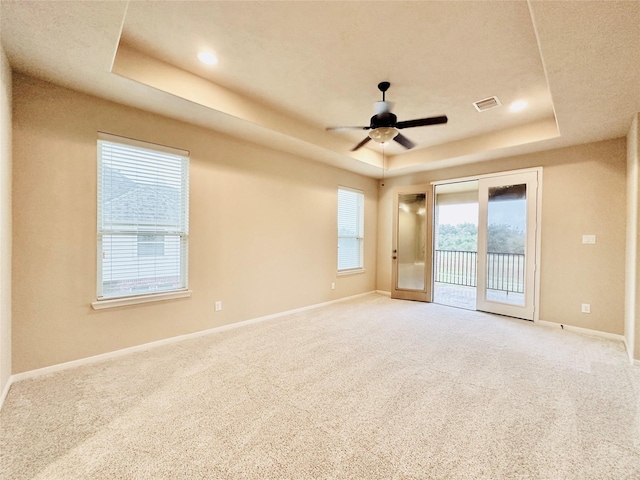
287, 70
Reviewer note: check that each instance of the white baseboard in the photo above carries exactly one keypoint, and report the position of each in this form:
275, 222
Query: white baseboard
626, 349
595, 333
382, 292
167, 341
632, 360
5, 391
584, 331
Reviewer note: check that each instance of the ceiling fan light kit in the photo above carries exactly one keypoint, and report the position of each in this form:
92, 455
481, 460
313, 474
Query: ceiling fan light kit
383, 134
384, 125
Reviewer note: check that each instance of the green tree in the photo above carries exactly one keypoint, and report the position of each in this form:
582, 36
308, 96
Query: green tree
502, 238
462, 237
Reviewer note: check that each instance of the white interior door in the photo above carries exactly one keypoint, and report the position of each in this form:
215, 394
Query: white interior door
507, 260
411, 245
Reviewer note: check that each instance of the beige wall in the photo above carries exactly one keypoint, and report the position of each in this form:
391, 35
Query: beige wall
5, 221
632, 285
262, 229
583, 193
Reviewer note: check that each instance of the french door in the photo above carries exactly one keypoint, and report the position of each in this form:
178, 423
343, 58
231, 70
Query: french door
507, 222
411, 243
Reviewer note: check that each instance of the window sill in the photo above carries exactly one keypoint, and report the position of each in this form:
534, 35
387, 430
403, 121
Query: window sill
124, 301
355, 271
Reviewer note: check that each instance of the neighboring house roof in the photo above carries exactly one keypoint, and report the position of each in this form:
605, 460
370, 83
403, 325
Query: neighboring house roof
130, 202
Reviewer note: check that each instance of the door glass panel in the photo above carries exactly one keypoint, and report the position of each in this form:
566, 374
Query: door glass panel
456, 244
412, 209
506, 242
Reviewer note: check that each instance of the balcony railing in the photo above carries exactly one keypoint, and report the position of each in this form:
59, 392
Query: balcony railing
505, 271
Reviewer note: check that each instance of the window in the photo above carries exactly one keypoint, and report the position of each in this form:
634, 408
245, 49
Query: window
143, 218
350, 229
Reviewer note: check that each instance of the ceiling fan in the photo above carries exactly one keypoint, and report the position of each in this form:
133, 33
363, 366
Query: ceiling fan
384, 125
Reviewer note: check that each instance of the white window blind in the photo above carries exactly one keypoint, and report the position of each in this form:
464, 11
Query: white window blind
350, 229
143, 218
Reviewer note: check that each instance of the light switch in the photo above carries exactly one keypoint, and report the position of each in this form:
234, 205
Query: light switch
589, 239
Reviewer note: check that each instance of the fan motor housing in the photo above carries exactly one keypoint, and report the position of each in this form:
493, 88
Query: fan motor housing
384, 119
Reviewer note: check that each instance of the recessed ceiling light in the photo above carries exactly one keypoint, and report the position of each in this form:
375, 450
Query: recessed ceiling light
517, 105
208, 58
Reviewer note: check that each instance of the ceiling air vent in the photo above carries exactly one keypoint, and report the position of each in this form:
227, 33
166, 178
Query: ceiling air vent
487, 104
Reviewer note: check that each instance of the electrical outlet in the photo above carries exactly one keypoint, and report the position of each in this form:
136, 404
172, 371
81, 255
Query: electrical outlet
333, 285
586, 308
589, 239
218, 306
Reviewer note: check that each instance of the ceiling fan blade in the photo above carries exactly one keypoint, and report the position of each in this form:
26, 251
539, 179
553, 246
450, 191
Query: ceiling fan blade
422, 122
363, 142
347, 128
404, 141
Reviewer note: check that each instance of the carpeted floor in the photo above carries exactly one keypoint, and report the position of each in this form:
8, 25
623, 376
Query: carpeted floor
371, 388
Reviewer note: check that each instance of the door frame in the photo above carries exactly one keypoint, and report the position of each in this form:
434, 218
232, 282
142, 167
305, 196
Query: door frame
404, 294
538, 234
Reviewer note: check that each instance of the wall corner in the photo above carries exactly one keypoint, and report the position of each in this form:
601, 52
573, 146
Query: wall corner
5, 222
632, 261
